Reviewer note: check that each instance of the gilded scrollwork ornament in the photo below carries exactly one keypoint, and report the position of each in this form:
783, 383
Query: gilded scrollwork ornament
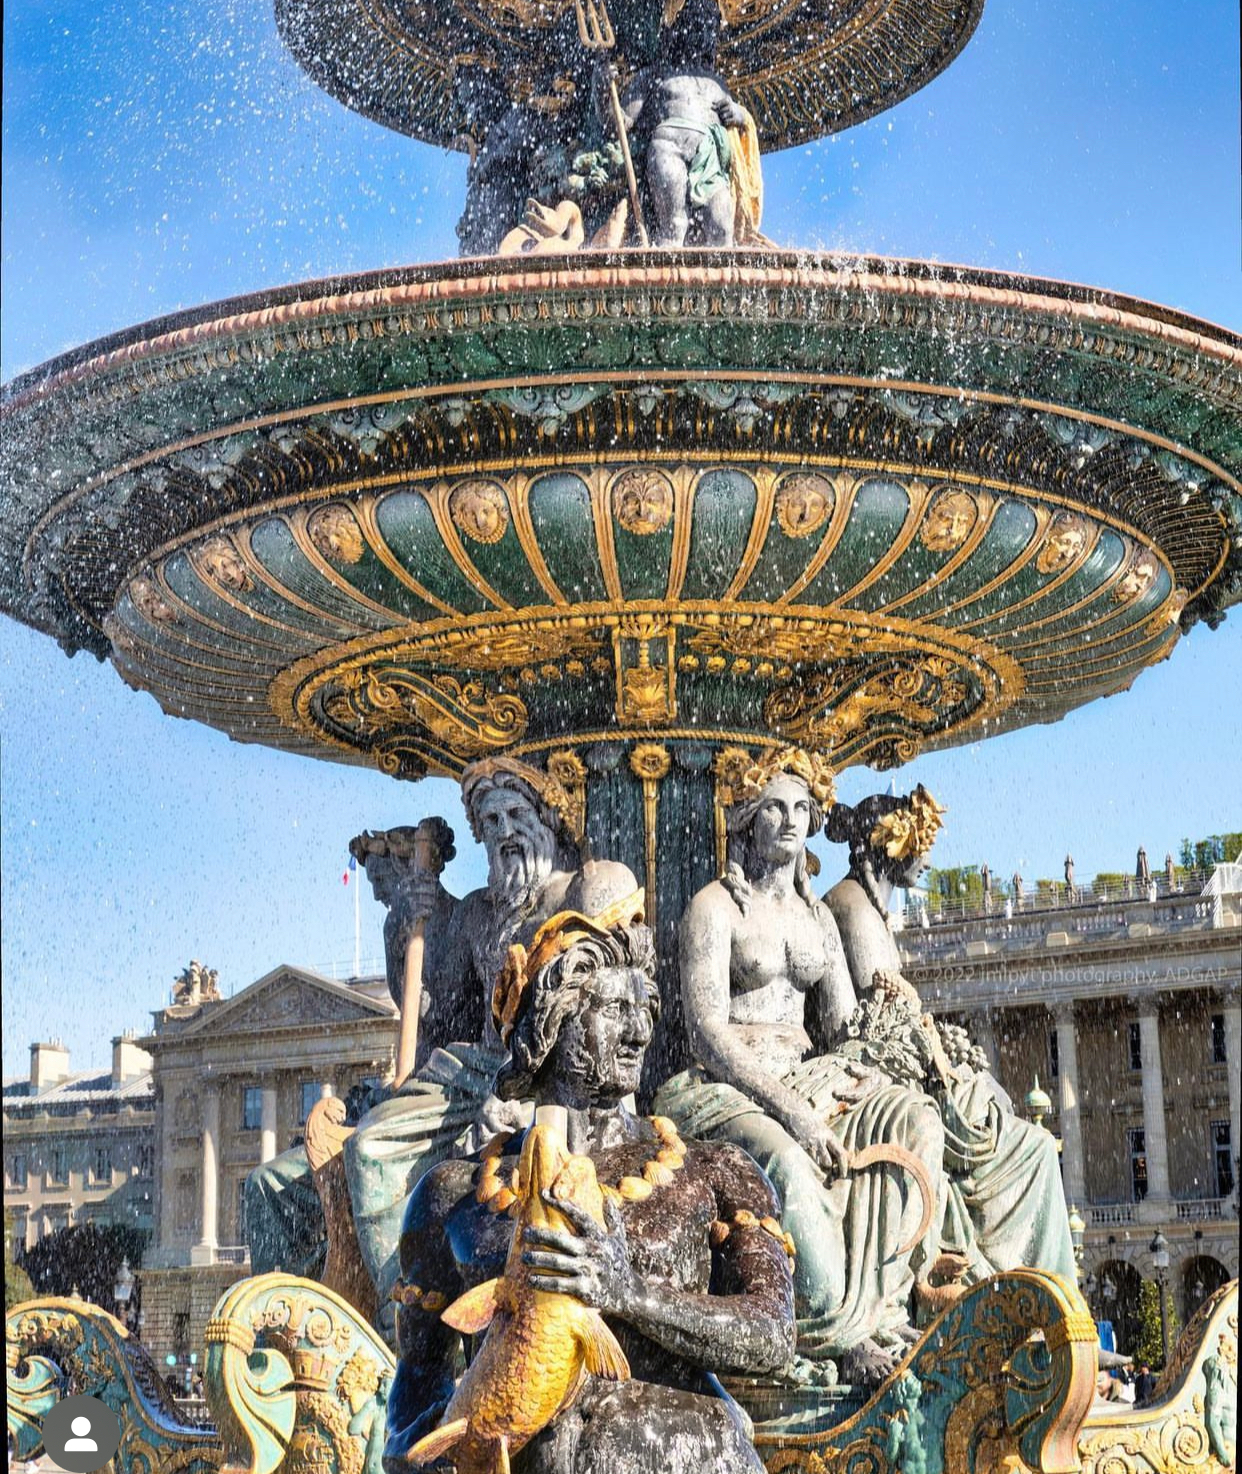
462, 716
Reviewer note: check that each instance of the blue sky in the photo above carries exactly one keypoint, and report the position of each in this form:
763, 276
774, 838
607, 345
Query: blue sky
157, 156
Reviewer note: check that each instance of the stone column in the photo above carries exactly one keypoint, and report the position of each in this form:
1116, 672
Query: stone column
983, 1033
1233, 1069
204, 1251
1069, 1106
267, 1124
1154, 1134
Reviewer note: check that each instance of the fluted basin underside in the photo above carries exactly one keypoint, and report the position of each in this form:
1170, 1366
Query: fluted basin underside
871, 506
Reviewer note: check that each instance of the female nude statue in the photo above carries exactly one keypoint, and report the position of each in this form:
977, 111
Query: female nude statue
1005, 1205
767, 995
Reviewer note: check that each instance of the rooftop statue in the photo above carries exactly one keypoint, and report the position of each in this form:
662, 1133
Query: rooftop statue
767, 998
197, 984
1005, 1205
672, 1242
526, 823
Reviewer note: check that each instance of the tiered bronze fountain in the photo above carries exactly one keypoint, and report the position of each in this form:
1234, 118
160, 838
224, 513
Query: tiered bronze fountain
634, 497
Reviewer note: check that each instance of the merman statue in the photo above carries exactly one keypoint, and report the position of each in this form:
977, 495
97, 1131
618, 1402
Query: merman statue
767, 1000
682, 1258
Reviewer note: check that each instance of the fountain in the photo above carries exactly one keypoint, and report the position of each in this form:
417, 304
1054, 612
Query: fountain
635, 499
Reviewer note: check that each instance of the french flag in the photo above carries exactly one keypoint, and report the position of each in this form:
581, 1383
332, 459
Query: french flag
353, 865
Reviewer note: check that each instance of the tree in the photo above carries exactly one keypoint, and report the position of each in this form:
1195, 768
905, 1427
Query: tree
17, 1286
1149, 1347
86, 1256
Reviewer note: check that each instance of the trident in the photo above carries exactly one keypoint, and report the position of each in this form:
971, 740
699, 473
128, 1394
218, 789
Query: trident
596, 34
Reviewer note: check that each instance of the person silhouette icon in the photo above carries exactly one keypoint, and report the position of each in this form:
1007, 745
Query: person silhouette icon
80, 1443
80, 1434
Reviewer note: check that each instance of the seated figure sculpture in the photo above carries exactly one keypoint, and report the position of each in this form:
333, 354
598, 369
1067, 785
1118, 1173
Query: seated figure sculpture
767, 996
522, 816
1005, 1204
688, 1268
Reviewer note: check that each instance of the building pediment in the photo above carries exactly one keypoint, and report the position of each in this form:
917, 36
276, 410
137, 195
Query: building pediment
287, 998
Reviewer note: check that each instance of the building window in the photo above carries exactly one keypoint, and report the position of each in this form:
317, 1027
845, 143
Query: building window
181, 1331
17, 1170
1054, 1056
146, 1161
252, 1108
1222, 1158
186, 1200
57, 1170
308, 1094
1136, 1047
1220, 1055
102, 1169
1137, 1139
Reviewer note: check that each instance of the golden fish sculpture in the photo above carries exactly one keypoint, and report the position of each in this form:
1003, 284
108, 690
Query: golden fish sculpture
539, 1346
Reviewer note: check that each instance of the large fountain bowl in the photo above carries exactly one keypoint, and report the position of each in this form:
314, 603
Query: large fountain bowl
871, 506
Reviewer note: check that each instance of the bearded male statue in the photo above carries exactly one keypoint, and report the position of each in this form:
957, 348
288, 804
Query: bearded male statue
523, 818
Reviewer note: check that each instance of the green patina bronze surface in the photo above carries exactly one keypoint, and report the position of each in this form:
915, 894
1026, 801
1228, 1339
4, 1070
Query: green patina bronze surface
421, 516
804, 70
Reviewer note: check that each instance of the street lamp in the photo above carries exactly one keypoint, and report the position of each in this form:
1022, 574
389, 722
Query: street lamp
1077, 1229
123, 1287
1159, 1248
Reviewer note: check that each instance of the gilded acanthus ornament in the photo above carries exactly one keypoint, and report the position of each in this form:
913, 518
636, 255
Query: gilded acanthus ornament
804, 502
479, 509
336, 534
949, 521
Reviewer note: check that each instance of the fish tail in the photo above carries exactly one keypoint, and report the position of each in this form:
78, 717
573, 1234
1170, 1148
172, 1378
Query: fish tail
438, 1443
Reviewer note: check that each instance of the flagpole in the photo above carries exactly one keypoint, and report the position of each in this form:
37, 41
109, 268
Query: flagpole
357, 927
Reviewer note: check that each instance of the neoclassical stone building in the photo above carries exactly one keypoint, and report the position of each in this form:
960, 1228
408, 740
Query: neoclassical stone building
1126, 1013
79, 1145
234, 1080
